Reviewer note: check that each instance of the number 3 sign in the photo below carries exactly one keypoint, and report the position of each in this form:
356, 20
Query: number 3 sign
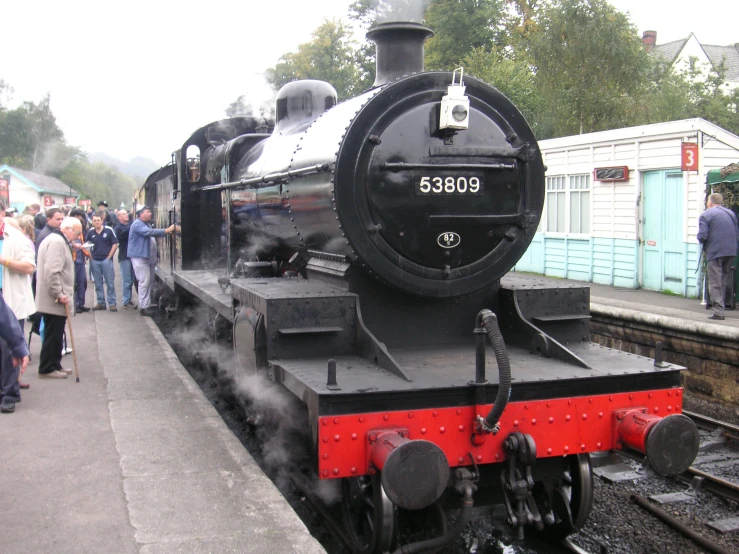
689, 156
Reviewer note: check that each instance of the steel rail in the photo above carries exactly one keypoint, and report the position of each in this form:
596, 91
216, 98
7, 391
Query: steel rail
729, 430
711, 483
324, 511
572, 547
679, 526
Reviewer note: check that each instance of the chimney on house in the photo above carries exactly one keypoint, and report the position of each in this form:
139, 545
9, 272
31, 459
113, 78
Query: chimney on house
649, 39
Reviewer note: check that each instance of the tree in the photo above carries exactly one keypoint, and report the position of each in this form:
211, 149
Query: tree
330, 56
590, 65
510, 75
461, 26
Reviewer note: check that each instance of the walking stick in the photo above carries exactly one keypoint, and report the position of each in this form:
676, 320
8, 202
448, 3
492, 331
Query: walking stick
74, 349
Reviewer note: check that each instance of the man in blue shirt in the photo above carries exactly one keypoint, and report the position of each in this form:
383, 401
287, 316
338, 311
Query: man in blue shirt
142, 252
718, 232
105, 244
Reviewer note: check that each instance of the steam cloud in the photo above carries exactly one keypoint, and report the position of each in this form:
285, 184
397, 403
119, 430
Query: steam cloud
400, 10
277, 420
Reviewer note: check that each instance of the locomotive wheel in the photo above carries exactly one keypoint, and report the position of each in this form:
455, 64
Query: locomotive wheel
565, 504
369, 515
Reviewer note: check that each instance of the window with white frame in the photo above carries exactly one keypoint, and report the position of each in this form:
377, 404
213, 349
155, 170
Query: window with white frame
579, 190
568, 204
556, 204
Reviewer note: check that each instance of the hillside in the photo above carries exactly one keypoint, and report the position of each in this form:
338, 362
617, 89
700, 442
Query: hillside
138, 167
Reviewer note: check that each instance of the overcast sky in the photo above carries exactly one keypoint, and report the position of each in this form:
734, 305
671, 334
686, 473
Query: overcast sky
136, 78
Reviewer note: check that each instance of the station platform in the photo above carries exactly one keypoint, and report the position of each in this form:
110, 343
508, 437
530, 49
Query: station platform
133, 458
648, 305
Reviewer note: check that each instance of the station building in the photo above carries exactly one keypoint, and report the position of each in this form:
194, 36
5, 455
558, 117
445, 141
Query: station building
20, 188
622, 206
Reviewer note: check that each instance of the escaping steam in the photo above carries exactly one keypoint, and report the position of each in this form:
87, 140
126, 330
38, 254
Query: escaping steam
275, 418
389, 11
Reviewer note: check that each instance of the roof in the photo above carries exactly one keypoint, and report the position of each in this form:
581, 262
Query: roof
42, 183
642, 133
729, 55
669, 50
728, 174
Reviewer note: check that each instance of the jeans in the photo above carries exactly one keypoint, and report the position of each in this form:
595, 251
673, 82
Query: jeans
127, 280
103, 269
9, 387
80, 285
144, 270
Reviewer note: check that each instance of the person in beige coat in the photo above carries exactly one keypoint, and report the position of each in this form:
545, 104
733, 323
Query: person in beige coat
17, 264
54, 289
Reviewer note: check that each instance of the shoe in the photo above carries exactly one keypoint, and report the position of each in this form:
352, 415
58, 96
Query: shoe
98, 307
81, 309
53, 375
23, 385
113, 308
66, 370
129, 306
145, 311
7, 407
66, 351
718, 317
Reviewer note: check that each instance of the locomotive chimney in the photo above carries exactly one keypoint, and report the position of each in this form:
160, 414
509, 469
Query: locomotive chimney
399, 50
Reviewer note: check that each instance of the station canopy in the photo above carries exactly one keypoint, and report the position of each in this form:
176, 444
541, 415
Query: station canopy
728, 174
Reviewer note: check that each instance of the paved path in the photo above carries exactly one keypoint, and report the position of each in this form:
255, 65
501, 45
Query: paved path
643, 304
133, 459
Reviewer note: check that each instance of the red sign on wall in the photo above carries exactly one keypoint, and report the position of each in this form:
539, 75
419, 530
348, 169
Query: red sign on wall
70, 200
85, 203
689, 158
48, 201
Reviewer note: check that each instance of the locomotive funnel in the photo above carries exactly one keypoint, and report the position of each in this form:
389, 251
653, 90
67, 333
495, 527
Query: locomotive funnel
399, 50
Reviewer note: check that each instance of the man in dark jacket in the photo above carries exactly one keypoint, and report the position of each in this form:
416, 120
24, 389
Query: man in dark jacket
718, 232
121, 231
108, 219
39, 220
54, 217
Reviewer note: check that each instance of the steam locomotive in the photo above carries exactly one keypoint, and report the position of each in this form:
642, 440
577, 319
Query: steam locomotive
358, 252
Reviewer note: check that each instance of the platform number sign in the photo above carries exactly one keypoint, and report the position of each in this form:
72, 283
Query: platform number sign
689, 156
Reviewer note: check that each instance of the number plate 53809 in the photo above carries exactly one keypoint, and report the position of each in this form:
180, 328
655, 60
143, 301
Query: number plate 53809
433, 186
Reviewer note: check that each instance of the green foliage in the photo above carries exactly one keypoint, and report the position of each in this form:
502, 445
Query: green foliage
99, 181
330, 56
513, 77
31, 139
590, 65
570, 66
461, 26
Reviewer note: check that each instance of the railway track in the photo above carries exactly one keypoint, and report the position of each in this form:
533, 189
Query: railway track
728, 430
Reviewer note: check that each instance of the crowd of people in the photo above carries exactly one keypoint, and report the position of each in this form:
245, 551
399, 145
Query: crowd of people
43, 278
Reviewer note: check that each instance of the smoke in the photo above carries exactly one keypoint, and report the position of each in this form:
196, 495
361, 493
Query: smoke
389, 11
277, 421
258, 101
51, 157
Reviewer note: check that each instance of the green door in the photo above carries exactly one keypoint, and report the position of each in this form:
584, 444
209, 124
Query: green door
663, 246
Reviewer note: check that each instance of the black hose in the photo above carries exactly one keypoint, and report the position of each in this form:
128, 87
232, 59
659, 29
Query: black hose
490, 322
438, 542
